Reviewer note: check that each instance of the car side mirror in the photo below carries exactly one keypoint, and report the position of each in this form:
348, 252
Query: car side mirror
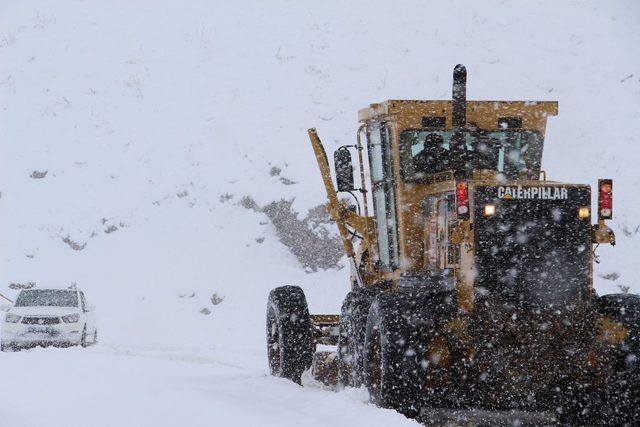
5, 307
88, 308
344, 169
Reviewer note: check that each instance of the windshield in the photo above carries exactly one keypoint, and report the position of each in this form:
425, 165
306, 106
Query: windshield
513, 153
47, 298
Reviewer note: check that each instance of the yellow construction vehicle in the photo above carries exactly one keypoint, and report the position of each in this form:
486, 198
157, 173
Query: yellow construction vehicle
472, 281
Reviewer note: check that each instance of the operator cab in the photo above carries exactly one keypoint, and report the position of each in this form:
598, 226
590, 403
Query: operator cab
452, 180
416, 157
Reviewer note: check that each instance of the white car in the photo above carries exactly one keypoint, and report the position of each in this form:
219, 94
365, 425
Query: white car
43, 317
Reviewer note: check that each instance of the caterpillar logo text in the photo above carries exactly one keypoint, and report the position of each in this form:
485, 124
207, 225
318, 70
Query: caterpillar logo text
542, 193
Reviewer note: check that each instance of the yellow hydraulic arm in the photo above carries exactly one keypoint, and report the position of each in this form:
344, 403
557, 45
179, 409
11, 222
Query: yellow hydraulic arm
333, 206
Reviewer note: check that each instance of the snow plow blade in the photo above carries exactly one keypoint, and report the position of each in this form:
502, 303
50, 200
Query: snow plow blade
482, 418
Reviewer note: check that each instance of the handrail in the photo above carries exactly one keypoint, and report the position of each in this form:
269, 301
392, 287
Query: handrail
363, 184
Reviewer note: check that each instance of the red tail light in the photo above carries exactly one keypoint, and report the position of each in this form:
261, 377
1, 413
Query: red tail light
462, 199
605, 199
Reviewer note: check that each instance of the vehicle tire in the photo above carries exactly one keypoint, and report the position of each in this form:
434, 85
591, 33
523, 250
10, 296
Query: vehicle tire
620, 398
353, 325
394, 371
7, 347
83, 338
95, 337
290, 343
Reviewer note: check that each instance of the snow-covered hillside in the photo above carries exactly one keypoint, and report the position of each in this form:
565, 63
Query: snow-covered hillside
153, 120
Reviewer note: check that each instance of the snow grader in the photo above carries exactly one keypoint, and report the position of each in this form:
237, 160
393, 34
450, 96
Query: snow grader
472, 280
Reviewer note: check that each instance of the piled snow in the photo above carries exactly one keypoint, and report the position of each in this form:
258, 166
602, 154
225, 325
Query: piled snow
153, 119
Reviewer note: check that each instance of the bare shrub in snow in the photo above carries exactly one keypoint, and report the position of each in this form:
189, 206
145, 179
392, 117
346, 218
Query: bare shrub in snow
247, 202
287, 181
225, 197
630, 231
73, 244
110, 229
26, 285
38, 174
216, 299
275, 171
624, 288
610, 276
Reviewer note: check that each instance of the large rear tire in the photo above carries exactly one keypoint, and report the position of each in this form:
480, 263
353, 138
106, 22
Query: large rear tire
353, 325
289, 335
393, 354
620, 398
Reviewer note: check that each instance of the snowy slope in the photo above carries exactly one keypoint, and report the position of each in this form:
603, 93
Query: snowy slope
143, 114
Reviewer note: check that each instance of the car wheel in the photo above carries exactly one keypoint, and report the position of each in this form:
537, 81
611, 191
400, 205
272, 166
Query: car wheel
83, 339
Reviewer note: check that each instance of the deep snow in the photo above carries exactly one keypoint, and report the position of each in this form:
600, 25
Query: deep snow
144, 114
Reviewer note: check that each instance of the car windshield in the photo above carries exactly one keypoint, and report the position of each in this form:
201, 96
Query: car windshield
513, 153
47, 298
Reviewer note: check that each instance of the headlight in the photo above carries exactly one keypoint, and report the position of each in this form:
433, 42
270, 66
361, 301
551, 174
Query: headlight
71, 318
489, 210
583, 213
12, 318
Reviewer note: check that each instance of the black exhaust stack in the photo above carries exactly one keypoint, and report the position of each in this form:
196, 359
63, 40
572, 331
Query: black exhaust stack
460, 160
459, 103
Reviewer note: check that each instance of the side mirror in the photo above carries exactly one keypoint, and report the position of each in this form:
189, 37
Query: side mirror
88, 308
5, 307
344, 169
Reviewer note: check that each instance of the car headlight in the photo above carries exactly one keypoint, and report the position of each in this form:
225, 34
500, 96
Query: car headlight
71, 318
12, 318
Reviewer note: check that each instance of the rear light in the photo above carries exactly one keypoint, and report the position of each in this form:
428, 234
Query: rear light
605, 199
462, 199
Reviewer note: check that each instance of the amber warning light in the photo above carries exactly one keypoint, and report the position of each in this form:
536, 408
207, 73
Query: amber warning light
605, 199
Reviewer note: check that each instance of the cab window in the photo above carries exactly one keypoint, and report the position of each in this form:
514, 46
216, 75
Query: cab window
513, 153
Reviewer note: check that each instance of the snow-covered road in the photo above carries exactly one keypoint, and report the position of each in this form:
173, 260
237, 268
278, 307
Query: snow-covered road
115, 386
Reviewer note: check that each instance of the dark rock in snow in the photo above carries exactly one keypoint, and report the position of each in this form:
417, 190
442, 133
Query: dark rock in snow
73, 244
308, 239
216, 299
38, 174
275, 171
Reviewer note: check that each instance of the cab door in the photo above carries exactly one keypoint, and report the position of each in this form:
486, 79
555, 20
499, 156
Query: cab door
440, 218
384, 197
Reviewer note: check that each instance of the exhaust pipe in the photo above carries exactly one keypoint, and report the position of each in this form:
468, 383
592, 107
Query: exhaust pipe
459, 103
